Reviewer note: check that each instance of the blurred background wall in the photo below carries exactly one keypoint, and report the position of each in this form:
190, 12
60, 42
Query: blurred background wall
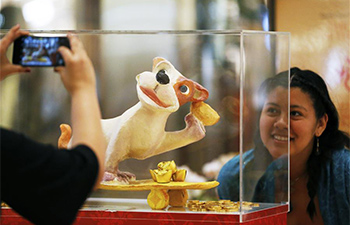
26, 100
320, 41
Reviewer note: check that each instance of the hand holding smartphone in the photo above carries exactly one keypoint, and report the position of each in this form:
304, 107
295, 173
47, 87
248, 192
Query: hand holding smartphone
38, 51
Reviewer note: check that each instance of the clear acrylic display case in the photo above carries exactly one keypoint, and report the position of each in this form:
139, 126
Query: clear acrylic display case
230, 64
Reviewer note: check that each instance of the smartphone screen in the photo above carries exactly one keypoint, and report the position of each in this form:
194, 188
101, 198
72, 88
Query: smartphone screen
38, 51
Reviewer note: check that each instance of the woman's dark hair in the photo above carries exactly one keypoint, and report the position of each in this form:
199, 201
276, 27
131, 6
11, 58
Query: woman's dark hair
331, 139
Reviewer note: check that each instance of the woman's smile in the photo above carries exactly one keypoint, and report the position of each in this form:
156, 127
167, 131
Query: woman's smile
280, 138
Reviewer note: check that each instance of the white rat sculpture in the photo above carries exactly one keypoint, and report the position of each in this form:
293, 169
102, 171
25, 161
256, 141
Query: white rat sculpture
140, 131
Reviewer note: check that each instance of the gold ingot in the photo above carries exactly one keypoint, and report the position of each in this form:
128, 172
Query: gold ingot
179, 175
224, 201
232, 210
152, 172
158, 199
211, 202
177, 198
163, 176
216, 208
219, 206
206, 114
167, 165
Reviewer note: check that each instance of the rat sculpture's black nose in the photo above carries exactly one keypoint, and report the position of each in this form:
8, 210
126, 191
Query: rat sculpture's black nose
162, 78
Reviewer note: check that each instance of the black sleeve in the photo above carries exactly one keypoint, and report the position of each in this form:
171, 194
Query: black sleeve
42, 183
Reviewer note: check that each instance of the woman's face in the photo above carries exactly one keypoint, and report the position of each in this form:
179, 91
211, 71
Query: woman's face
303, 122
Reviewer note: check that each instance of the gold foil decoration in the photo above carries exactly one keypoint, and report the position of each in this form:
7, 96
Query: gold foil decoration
167, 172
219, 206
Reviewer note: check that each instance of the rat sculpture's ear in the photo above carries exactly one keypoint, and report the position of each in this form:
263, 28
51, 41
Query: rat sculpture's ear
157, 60
189, 91
160, 63
200, 94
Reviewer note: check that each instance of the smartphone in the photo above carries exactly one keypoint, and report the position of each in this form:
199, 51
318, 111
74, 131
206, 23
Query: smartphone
38, 51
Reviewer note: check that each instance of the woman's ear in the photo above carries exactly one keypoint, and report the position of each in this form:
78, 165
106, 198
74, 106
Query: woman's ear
321, 125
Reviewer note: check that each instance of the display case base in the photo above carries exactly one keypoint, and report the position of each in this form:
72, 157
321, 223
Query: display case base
273, 215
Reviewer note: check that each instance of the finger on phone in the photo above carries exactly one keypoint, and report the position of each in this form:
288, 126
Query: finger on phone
9, 37
20, 69
13, 34
21, 33
75, 43
65, 52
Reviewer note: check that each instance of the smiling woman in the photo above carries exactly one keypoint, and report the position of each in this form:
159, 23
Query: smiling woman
274, 122
319, 154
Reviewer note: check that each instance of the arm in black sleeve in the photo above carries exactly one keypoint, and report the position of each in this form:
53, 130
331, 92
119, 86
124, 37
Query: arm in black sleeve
42, 183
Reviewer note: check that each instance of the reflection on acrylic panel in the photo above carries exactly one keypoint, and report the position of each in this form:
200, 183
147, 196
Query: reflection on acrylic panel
224, 63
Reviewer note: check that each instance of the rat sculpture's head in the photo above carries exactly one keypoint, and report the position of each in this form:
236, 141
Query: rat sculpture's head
166, 89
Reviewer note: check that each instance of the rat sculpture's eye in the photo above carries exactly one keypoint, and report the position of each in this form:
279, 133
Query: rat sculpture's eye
184, 89
162, 77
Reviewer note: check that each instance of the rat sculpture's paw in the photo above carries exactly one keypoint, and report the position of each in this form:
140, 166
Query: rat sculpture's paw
121, 177
107, 176
195, 129
125, 176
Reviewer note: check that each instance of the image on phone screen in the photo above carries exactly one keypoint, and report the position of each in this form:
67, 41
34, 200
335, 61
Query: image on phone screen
38, 51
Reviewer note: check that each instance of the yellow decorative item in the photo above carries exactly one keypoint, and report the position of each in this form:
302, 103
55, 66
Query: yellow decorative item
219, 206
144, 185
167, 171
163, 176
153, 175
206, 114
179, 175
158, 199
178, 198
167, 186
167, 165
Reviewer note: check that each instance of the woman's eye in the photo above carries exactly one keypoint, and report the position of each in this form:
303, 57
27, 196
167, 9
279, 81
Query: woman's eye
295, 113
184, 89
272, 110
